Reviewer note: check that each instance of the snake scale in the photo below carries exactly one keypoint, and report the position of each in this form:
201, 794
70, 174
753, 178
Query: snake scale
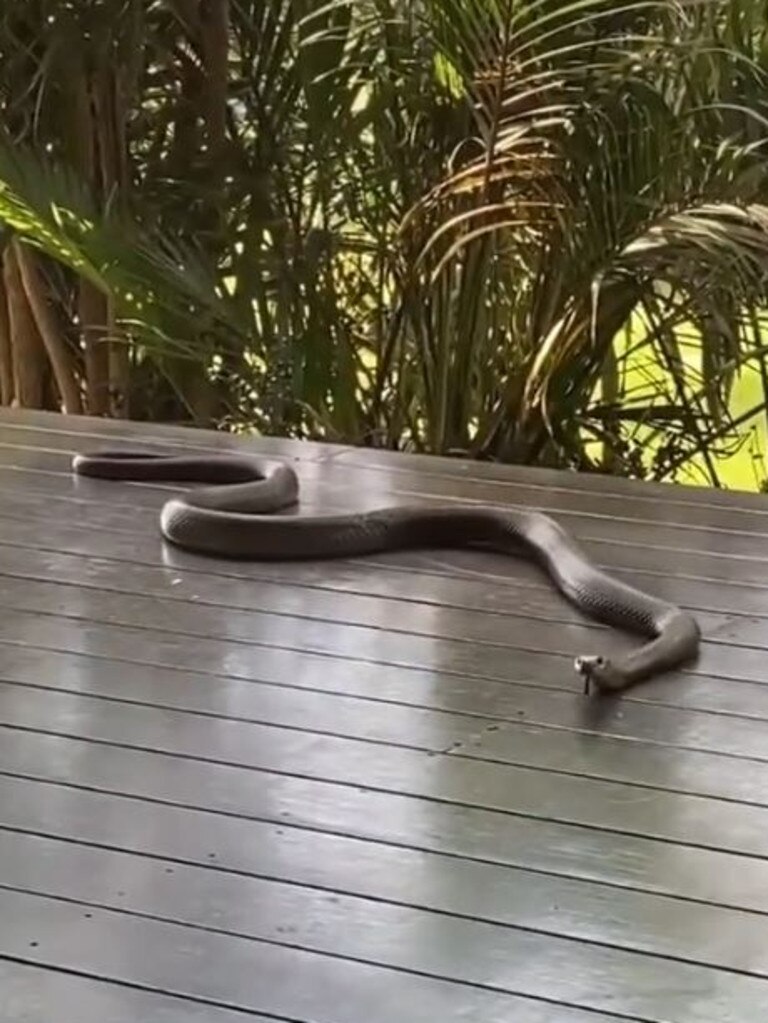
237, 516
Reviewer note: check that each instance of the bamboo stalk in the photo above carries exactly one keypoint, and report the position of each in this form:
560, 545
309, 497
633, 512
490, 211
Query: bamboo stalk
62, 363
93, 313
6, 353
28, 353
119, 369
91, 303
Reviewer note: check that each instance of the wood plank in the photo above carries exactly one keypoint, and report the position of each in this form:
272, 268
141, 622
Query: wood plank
634, 556
258, 976
448, 579
604, 485
532, 595
334, 639
339, 594
397, 613
698, 526
669, 686
626, 808
237, 799
741, 631
285, 697
524, 593
589, 750
157, 650
334, 864
262, 614
380, 765
527, 646
44, 469
701, 524
748, 597
402, 938
50, 428
31, 994
646, 561
421, 465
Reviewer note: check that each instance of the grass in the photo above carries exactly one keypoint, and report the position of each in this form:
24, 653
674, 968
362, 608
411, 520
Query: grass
746, 468
742, 465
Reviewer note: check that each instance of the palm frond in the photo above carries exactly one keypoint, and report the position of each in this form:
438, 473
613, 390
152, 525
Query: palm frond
162, 288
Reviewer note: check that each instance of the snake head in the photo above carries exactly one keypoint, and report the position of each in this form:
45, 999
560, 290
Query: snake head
600, 671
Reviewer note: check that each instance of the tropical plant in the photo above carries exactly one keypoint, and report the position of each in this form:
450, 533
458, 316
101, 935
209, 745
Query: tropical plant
529, 230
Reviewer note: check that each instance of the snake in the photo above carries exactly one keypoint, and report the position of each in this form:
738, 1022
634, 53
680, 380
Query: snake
242, 512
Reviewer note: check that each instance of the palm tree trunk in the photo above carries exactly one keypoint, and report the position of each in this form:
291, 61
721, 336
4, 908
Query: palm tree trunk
28, 356
91, 304
6, 355
59, 354
214, 30
92, 313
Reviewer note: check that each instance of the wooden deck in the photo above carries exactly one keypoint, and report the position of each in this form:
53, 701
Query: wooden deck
371, 791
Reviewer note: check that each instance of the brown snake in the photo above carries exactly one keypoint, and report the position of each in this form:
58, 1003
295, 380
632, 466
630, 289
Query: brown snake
237, 517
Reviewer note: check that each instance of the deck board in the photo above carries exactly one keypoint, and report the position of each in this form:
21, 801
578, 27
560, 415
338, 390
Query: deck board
39, 995
355, 929
523, 897
371, 789
289, 758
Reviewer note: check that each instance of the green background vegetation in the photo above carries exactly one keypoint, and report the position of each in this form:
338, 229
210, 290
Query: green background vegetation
526, 230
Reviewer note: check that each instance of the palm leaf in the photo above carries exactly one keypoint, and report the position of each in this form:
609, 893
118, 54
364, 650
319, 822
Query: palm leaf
163, 290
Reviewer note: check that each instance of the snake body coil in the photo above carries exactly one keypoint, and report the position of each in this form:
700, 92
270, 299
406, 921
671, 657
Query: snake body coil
238, 517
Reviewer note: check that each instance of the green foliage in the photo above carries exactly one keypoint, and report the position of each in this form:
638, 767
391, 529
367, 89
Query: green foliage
530, 230
160, 288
